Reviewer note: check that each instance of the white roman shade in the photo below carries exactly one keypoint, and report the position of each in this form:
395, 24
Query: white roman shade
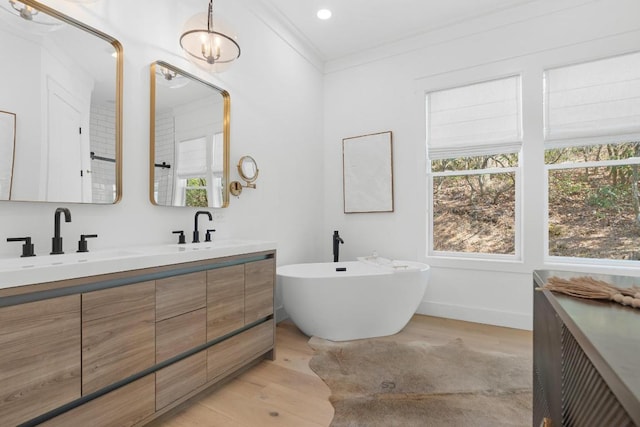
192, 160
593, 102
478, 119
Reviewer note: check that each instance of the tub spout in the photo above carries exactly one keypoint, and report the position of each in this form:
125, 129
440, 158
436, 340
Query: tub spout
337, 240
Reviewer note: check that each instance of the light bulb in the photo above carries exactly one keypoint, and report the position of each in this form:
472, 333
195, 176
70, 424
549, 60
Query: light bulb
324, 14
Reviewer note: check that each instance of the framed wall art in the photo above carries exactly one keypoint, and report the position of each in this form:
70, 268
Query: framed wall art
367, 166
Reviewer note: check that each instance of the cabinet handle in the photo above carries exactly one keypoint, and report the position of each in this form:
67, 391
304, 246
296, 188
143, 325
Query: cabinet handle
546, 422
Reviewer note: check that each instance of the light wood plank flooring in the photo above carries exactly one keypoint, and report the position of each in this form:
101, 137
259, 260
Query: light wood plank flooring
286, 392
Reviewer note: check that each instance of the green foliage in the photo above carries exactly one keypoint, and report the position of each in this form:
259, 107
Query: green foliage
608, 197
196, 195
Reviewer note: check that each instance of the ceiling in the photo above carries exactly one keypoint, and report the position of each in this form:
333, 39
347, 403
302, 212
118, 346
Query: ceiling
359, 25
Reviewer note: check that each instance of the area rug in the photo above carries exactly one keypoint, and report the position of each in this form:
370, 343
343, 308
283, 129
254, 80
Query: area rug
385, 383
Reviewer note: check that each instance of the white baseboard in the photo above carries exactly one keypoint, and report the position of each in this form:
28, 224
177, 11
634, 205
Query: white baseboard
281, 314
477, 315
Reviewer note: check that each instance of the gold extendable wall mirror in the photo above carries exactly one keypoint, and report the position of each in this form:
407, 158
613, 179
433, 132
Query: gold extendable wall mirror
248, 171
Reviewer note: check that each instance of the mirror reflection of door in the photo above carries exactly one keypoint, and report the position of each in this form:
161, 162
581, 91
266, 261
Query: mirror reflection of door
66, 176
57, 82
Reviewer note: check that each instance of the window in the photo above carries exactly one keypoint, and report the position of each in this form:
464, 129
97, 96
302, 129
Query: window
198, 179
592, 153
474, 137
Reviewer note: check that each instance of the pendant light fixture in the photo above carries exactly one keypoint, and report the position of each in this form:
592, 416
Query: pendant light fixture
208, 47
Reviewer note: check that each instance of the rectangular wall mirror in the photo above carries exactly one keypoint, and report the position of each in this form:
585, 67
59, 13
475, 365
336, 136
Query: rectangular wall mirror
368, 173
189, 140
62, 82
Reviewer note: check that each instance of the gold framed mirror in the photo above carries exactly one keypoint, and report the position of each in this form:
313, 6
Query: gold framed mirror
189, 127
64, 89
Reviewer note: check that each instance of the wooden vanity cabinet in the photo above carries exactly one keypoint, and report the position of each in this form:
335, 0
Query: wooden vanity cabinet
118, 334
40, 357
120, 349
586, 368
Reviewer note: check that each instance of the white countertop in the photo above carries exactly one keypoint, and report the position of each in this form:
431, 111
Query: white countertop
48, 268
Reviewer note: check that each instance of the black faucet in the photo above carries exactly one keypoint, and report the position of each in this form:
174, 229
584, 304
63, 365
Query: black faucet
196, 233
337, 240
56, 241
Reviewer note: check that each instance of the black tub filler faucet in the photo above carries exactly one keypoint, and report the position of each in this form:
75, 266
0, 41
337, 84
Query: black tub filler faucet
337, 240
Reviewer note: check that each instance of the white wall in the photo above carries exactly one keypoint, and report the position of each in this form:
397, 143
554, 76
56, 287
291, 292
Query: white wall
280, 111
276, 117
385, 90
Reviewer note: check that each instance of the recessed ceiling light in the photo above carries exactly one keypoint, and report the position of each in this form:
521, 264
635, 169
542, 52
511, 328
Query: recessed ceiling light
324, 14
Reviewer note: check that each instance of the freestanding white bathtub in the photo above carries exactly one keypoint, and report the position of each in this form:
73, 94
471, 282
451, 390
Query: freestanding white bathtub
367, 300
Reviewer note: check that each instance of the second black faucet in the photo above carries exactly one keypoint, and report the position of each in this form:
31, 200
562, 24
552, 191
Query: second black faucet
196, 233
56, 241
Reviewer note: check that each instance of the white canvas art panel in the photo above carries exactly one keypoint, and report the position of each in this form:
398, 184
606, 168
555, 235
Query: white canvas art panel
368, 173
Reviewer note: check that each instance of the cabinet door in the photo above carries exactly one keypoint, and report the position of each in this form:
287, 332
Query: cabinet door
180, 294
258, 290
122, 407
180, 334
225, 300
118, 334
39, 357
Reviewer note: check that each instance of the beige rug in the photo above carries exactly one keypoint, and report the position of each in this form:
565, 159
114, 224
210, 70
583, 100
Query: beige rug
385, 383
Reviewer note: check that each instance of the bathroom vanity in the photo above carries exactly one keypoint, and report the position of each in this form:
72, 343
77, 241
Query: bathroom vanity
124, 345
586, 363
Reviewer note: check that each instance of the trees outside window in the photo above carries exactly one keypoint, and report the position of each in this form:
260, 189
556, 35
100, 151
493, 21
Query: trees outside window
474, 138
474, 204
593, 201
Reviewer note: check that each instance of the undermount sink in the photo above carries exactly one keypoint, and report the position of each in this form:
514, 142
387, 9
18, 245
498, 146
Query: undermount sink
63, 259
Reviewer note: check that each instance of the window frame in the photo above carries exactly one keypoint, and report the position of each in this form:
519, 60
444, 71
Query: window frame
482, 149
578, 139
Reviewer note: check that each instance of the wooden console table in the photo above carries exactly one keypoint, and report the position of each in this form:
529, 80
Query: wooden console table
586, 357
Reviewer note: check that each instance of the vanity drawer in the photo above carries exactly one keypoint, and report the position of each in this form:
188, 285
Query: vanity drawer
122, 407
180, 294
239, 349
258, 289
225, 300
180, 334
180, 378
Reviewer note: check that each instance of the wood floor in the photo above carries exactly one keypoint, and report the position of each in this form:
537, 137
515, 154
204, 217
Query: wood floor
285, 392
